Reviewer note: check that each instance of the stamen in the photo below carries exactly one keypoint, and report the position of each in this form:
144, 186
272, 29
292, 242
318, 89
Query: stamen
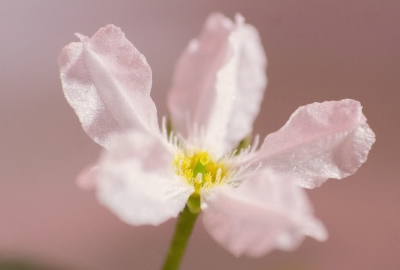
208, 178
199, 178
218, 176
199, 169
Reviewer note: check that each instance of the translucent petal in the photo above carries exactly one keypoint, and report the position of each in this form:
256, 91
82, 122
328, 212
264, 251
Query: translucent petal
219, 83
264, 213
87, 178
107, 82
135, 179
320, 141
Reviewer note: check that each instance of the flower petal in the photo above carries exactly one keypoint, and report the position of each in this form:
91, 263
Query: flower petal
265, 212
107, 82
135, 179
87, 178
219, 83
320, 141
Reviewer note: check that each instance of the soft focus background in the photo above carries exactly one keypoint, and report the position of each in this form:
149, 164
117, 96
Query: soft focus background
317, 49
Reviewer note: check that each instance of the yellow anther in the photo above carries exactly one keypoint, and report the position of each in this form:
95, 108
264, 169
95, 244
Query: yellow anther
186, 162
199, 169
208, 177
188, 173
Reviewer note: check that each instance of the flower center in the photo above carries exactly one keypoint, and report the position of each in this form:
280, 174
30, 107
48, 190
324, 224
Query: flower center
200, 170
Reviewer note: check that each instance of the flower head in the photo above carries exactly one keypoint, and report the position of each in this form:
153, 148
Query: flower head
249, 198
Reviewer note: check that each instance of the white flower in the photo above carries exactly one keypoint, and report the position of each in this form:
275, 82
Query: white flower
249, 200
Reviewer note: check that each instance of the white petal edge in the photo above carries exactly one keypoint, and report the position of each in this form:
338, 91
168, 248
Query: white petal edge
107, 81
136, 180
219, 83
266, 212
320, 141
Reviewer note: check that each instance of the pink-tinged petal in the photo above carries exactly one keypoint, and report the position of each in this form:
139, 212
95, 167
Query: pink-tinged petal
107, 82
266, 212
320, 141
87, 178
219, 83
136, 180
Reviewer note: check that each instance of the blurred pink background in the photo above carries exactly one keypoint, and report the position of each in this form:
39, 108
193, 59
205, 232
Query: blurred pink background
317, 49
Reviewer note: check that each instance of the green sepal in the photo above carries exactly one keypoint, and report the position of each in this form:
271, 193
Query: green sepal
243, 144
194, 203
169, 127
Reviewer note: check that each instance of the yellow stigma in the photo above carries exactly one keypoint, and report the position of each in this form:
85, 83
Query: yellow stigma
199, 169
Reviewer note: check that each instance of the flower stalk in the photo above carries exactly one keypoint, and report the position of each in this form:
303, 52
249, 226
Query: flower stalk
184, 227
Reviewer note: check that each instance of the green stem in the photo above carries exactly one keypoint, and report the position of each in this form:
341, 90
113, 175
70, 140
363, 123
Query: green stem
184, 226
